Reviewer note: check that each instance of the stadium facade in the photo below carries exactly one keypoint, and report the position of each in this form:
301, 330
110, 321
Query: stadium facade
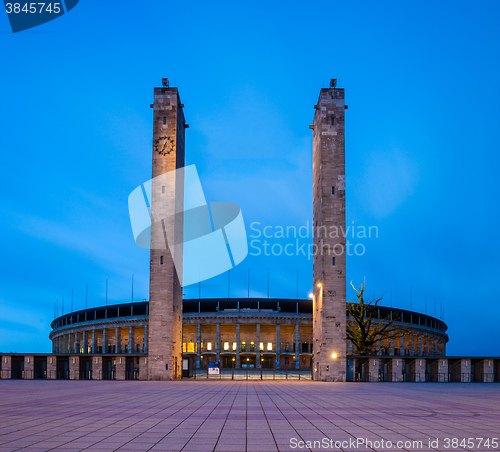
248, 336
243, 333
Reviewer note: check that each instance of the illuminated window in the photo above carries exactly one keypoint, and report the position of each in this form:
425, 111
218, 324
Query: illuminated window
183, 347
190, 347
234, 345
209, 346
269, 346
261, 345
226, 345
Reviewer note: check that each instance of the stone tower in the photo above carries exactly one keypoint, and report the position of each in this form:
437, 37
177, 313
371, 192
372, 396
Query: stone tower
167, 198
329, 267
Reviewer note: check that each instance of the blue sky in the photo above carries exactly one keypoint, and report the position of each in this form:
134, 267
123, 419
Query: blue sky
422, 151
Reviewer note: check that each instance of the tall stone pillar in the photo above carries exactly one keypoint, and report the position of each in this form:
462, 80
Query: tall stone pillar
329, 264
131, 339
145, 340
411, 343
167, 204
117, 340
198, 345
77, 348
104, 339
217, 342
238, 346
278, 346
85, 342
93, 341
257, 346
297, 346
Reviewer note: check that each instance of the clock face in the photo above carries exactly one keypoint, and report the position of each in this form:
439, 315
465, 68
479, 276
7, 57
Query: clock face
164, 148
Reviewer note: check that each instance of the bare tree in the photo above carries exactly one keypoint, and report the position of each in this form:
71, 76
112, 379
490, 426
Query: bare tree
361, 329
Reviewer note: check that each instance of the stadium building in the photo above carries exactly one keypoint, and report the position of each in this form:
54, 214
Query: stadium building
243, 333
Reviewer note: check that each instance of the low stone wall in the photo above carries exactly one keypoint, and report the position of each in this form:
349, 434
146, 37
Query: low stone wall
420, 369
377, 368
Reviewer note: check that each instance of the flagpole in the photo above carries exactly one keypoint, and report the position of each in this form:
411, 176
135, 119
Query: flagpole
297, 284
268, 273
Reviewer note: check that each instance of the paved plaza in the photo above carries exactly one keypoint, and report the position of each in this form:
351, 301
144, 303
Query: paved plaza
246, 416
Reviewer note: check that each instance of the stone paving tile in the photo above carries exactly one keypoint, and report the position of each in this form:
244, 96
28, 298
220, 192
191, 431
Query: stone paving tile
234, 416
